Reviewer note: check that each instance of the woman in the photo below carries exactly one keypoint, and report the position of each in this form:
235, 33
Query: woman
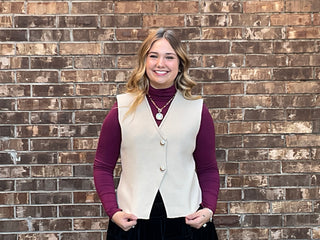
165, 136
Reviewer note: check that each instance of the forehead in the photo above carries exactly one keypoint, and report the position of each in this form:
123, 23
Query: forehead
162, 46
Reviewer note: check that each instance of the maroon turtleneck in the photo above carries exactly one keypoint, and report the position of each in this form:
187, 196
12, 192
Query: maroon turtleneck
108, 151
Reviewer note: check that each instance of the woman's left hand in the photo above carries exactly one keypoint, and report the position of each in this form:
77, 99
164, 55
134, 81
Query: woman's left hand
199, 218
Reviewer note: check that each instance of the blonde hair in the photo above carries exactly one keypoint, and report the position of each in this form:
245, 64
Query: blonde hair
138, 82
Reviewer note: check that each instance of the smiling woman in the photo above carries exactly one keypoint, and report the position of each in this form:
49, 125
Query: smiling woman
160, 195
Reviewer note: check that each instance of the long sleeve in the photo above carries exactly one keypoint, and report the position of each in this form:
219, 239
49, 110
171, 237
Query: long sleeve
206, 164
107, 154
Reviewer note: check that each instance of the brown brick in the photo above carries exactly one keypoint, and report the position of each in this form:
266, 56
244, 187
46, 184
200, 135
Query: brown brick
80, 235
316, 19
249, 207
16, 144
221, 33
85, 143
300, 167
263, 33
51, 171
94, 62
223, 61
217, 102
289, 154
292, 73
91, 224
50, 145
290, 19
14, 118
256, 20
38, 158
36, 49
51, 62
86, 197
209, 75
263, 141
252, 47
266, 60
36, 211
91, 7
249, 233
292, 206
13, 225
294, 47
52, 225
244, 74
206, 20
163, 21
37, 131
264, 194
79, 211
7, 212
229, 195
178, 7
291, 127
93, 34
250, 101
37, 76
303, 32
7, 49
7, 77
38, 236
260, 167
81, 76
79, 130
303, 6
134, 7
77, 21
90, 116
228, 168
15, 91
51, 117
14, 62
121, 48
6, 131
289, 180
80, 48
263, 6
248, 127
247, 154
52, 90
36, 185
223, 88
76, 157
303, 140
287, 233
47, 8
126, 62
131, 34
83, 171
14, 198
262, 221
116, 75
51, 198
221, 7
226, 221
247, 181
6, 21
80, 185
35, 22
266, 88
302, 193
208, 47
38, 104
81, 103
49, 35
12, 7
228, 141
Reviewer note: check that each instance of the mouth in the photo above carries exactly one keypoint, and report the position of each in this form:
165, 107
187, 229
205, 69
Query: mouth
161, 72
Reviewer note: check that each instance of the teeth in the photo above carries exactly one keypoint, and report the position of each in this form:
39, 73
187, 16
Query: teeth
161, 72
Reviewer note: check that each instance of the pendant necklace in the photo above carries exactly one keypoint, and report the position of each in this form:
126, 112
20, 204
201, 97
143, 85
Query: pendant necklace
159, 115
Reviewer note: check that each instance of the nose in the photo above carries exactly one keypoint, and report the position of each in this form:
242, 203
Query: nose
160, 62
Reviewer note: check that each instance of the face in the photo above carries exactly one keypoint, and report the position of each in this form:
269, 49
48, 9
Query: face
162, 64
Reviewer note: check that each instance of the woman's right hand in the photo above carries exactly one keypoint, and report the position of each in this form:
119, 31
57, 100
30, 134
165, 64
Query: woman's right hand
124, 220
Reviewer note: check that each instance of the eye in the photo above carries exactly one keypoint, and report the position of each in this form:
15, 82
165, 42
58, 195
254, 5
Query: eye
170, 57
153, 56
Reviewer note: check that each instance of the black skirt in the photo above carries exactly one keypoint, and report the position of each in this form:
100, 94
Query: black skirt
159, 227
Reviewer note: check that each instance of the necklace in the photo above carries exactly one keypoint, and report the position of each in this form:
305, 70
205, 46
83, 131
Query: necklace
159, 115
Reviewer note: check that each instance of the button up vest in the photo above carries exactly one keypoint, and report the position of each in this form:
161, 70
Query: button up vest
159, 157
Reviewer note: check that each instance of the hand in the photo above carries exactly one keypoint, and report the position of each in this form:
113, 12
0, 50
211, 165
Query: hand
199, 218
124, 220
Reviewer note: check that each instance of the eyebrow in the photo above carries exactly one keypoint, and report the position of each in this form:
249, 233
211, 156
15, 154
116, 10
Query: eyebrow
165, 53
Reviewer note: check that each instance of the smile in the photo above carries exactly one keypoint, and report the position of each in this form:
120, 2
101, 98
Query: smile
161, 72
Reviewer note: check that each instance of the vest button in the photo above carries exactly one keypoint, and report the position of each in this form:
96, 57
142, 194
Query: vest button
162, 169
162, 142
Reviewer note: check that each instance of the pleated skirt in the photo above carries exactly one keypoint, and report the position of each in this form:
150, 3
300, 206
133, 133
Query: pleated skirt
159, 227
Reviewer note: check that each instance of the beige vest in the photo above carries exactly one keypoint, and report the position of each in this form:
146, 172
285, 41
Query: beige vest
159, 158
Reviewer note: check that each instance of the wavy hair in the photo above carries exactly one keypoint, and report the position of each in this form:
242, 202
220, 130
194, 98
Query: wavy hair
139, 83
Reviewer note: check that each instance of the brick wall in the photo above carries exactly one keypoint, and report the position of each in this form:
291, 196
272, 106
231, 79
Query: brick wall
258, 68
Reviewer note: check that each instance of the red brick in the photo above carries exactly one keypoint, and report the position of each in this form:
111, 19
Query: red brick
163, 21
76, 157
256, 20
7, 49
12, 7
303, 87
86, 197
303, 32
266, 88
263, 6
221, 7
134, 7
47, 8
302, 6
178, 7
51, 171
92, 7
292, 73
6, 21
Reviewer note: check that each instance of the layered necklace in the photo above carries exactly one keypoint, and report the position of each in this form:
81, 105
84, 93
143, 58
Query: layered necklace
159, 115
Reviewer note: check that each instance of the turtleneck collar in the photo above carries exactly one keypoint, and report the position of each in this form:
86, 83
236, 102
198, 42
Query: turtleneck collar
162, 94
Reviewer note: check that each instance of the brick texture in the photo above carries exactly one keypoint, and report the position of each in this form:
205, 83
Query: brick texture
258, 67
